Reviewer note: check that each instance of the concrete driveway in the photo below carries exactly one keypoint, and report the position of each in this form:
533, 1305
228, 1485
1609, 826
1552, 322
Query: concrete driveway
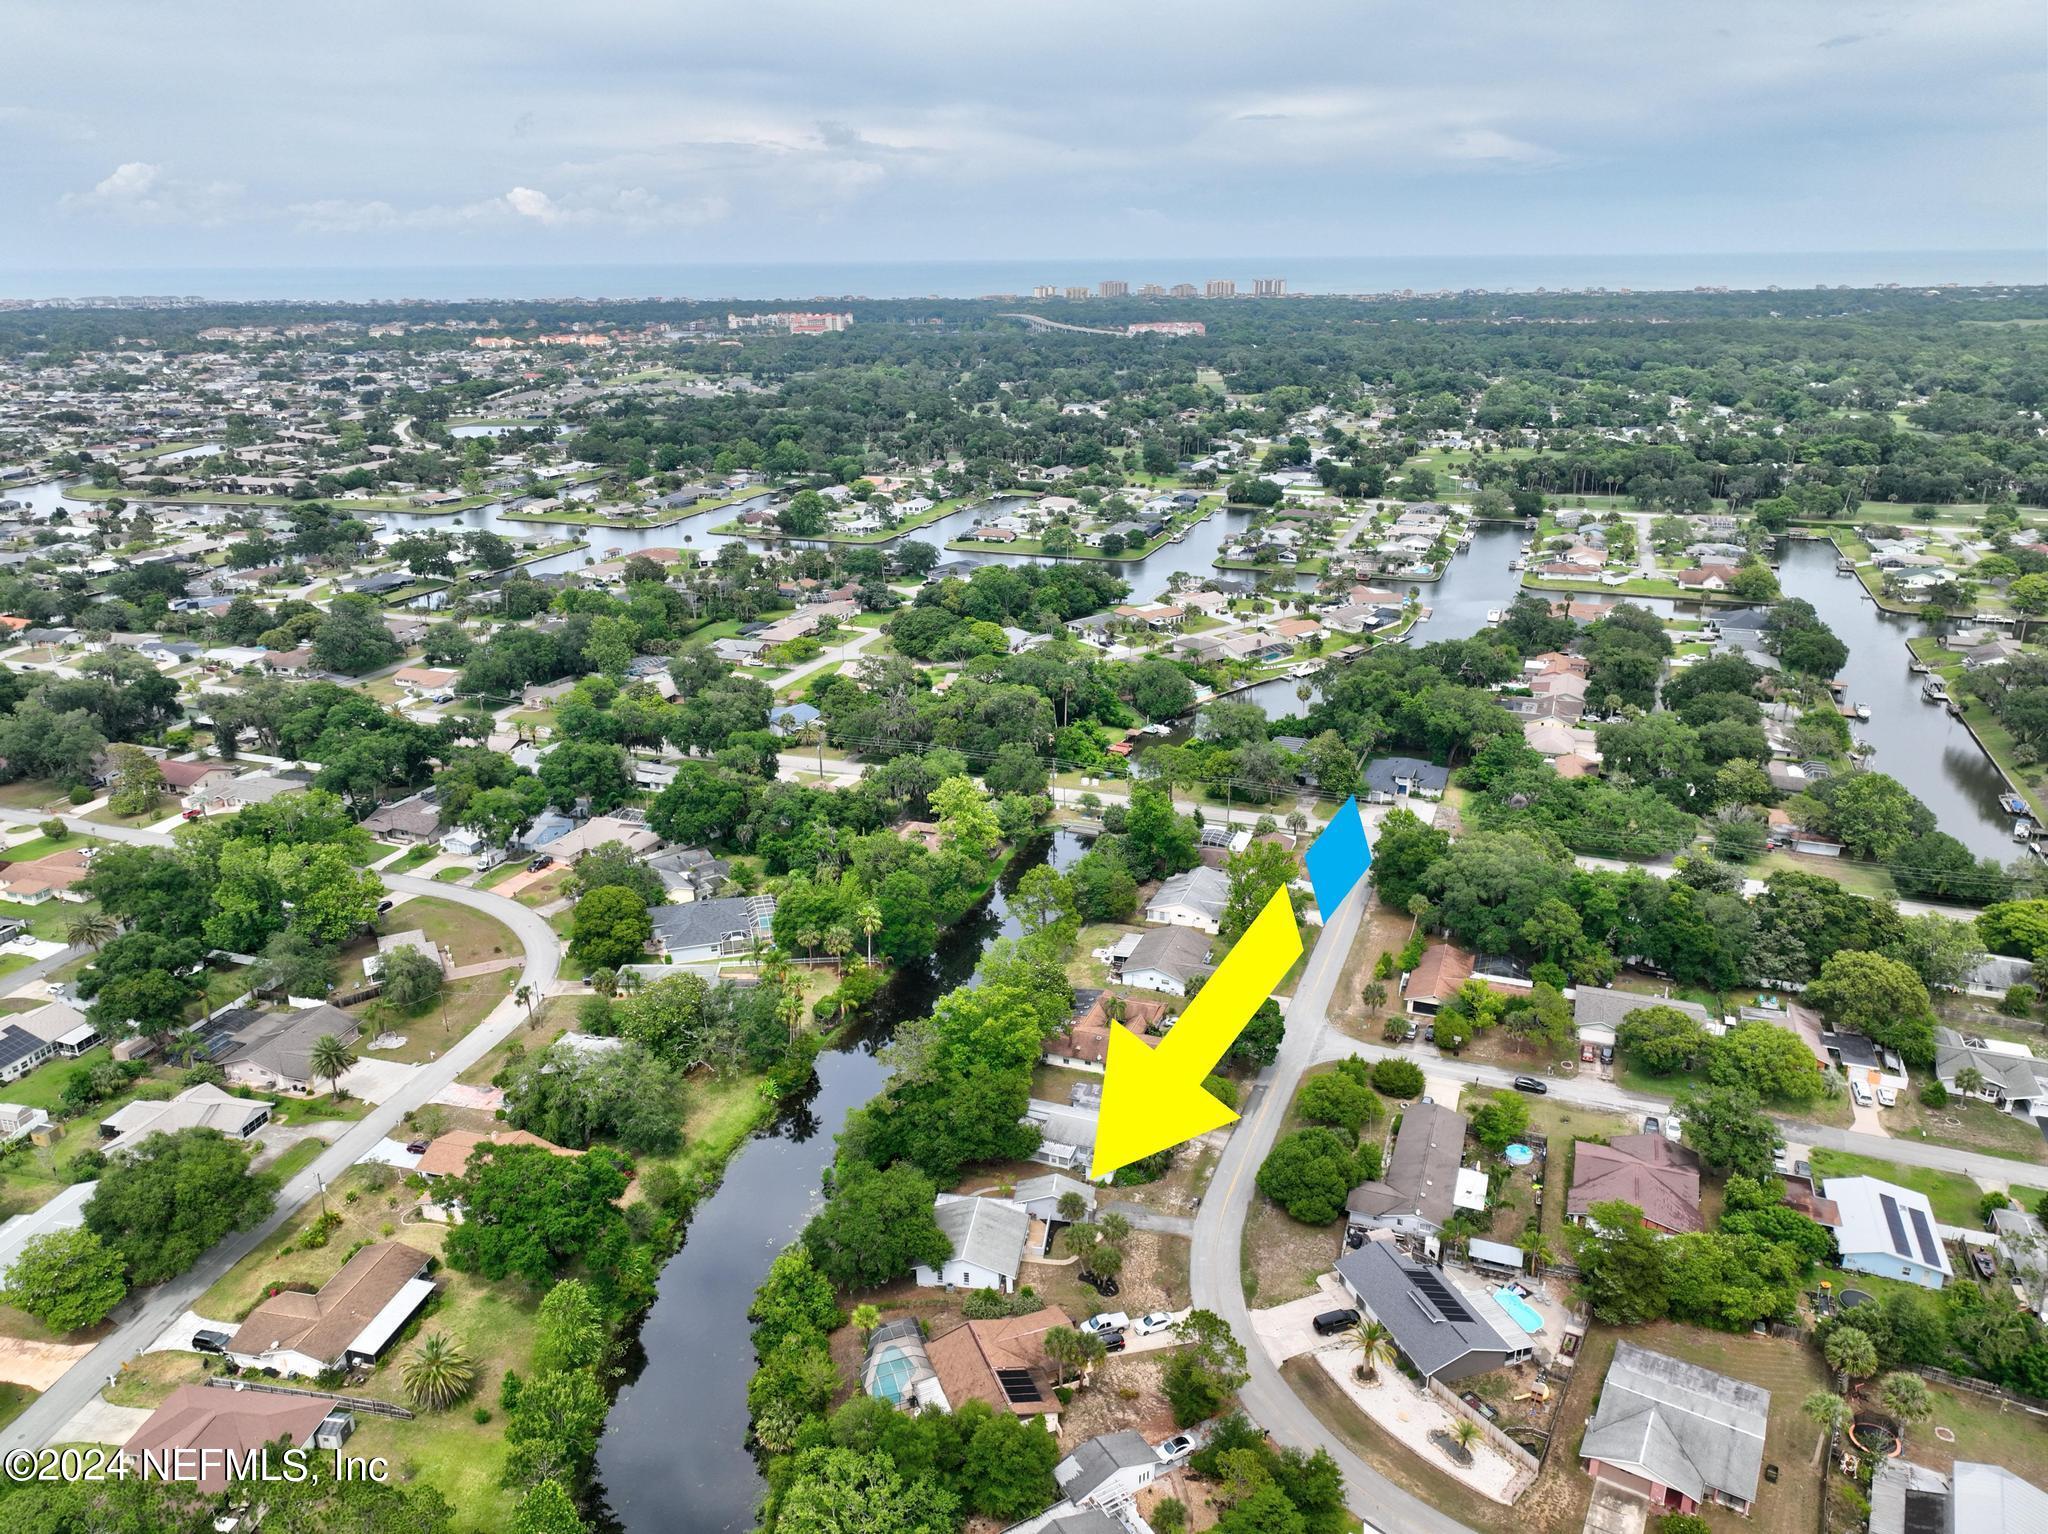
377, 1081
177, 1337
1288, 1331
1614, 1511
1867, 1121
97, 1422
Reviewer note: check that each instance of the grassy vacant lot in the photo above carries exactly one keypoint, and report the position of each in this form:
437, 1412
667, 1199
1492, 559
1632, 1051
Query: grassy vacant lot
1972, 1126
1953, 1195
469, 936
1280, 1258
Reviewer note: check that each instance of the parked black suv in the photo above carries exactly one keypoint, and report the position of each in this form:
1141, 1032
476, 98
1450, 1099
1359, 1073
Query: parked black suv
1530, 1084
1335, 1321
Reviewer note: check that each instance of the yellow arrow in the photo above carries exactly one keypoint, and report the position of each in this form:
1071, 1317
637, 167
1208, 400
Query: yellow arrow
1152, 1098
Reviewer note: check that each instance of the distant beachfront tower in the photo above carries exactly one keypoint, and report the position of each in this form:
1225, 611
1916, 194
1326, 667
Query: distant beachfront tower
1220, 287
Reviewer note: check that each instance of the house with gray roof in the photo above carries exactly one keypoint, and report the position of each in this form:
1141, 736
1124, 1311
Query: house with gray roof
1108, 1471
701, 930
1414, 1194
1906, 1498
1599, 1012
274, 1053
2010, 1077
1195, 899
1066, 1135
1396, 779
988, 1237
1165, 959
1677, 1434
1439, 1328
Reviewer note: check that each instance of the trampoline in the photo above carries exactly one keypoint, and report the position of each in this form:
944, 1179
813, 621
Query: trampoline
1519, 1155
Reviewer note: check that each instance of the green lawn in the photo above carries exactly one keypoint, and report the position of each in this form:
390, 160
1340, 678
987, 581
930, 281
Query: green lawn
412, 859
296, 1159
42, 846
1953, 1195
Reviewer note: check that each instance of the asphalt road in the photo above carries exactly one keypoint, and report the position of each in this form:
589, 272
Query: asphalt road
143, 1317
1219, 1227
1214, 1265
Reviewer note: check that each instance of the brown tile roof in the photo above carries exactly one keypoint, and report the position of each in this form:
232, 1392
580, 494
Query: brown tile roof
966, 1360
1658, 1177
191, 774
1440, 971
449, 1155
322, 1325
1087, 1037
200, 1418
58, 871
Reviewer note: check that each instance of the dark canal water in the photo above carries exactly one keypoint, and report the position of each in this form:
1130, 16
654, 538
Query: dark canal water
674, 1455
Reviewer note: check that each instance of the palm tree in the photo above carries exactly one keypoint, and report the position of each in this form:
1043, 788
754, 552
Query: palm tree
1073, 1207
1465, 1433
1116, 1230
1375, 1346
1969, 1081
1906, 1398
437, 1373
1373, 994
90, 929
869, 919
331, 1060
865, 1319
1828, 1409
1062, 1345
524, 996
837, 942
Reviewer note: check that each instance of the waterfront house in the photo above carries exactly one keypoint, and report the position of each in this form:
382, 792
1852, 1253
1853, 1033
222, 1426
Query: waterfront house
987, 1236
348, 1324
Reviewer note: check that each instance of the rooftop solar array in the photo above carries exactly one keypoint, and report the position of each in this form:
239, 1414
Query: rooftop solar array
1440, 1293
1890, 1206
1929, 1252
1018, 1386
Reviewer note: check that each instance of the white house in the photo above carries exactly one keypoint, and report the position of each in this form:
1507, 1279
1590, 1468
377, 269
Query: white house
1195, 899
988, 1237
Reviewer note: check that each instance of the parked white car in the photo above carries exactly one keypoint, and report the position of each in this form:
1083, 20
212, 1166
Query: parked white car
1106, 1321
1887, 1098
1155, 1321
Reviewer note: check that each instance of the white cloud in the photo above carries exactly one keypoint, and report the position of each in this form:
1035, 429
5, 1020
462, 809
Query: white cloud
139, 192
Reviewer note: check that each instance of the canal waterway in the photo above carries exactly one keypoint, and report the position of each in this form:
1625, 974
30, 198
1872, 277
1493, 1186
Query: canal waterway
675, 1454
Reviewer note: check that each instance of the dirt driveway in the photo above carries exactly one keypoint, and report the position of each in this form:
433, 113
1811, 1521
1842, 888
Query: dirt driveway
38, 1365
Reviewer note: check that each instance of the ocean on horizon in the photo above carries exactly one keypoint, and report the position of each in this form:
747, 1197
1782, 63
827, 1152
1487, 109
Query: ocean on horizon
756, 281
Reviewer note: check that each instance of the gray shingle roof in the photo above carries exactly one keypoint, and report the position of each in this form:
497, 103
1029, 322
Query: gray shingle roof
1992, 1497
1422, 1174
1095, 1461
1180, 952
1680, 1424
988, 1232
1408, 1299
1599, 1007
1201, 888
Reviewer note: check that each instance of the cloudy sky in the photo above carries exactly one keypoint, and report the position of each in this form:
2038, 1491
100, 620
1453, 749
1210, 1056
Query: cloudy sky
138, 135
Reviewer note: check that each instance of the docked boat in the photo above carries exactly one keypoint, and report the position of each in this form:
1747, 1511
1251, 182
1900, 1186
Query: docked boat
1863, 711
2022, 830
2013, 804
1918, 667
1493, 615
1934, 690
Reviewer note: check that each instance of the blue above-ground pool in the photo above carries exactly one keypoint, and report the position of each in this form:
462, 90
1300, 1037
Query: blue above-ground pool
1521, 1310
1519, 1155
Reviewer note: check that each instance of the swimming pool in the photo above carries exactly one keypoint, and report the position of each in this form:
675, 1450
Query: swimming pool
1519, 1155
1521, 1310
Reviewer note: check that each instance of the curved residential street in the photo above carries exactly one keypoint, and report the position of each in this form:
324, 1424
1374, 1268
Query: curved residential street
1219, 1226
147, 1314
1219, 1231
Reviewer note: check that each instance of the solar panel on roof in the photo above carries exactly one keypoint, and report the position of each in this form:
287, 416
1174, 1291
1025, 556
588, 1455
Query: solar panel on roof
1925, 1236
1890, 1206
1018, 1386
1441, 1293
